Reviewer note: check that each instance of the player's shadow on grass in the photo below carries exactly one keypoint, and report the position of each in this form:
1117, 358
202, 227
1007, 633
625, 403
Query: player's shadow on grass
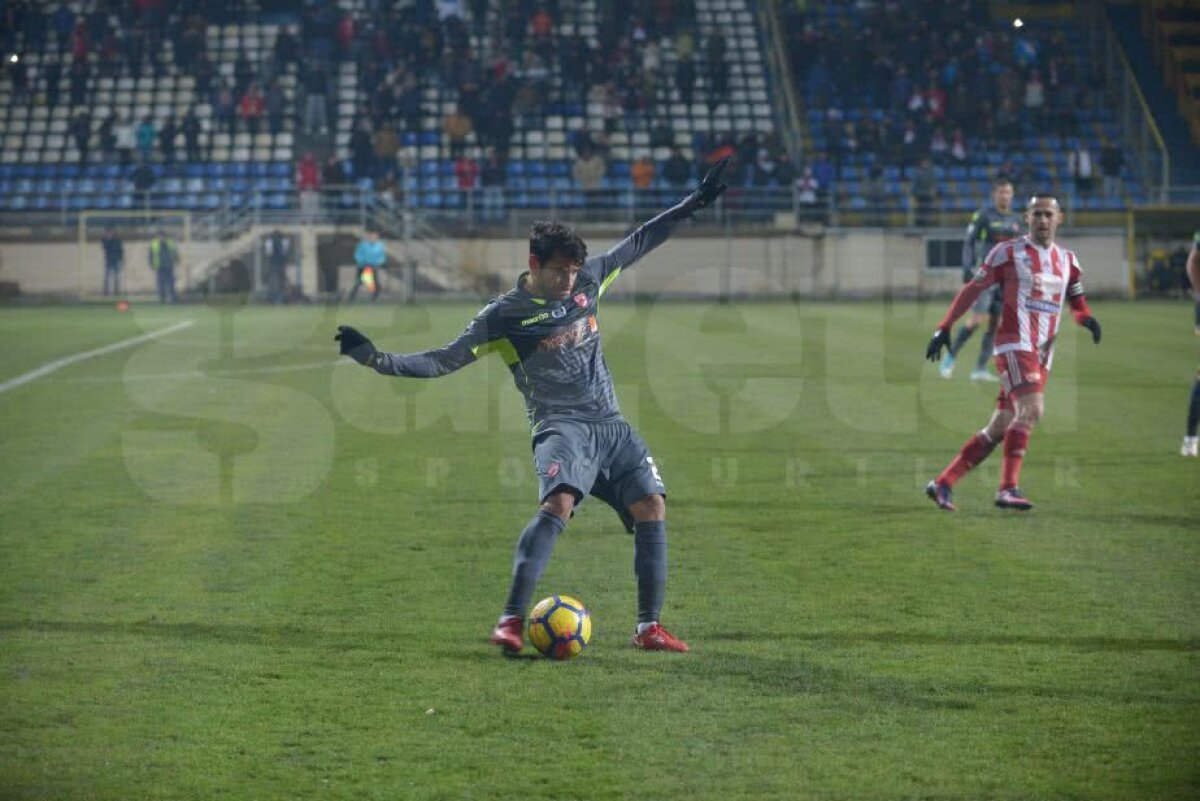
789, 675
225, 633
244, 634
1092, 643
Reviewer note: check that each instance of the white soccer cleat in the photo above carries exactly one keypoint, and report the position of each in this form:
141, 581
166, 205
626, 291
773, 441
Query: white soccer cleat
1190, 446
983, 375
946, 368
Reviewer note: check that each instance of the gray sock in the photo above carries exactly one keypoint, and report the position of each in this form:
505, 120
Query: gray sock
1193, 418
985, 351
533, 552
650, 565
960, 339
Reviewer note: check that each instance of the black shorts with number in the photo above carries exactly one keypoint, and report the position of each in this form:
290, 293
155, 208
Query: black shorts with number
607, 460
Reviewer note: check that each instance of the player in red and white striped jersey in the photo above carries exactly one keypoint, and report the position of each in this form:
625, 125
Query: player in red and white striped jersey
1036, 279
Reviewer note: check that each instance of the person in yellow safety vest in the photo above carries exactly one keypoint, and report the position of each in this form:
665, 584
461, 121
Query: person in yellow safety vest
164, 256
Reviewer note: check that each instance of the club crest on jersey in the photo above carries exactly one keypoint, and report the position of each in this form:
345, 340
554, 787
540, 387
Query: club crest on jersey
553, 469
581, 300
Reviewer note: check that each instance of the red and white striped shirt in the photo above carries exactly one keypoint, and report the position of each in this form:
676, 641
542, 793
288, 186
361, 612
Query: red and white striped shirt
1035, 282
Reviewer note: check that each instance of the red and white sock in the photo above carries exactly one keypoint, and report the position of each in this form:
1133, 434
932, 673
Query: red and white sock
973, 451
1016, 440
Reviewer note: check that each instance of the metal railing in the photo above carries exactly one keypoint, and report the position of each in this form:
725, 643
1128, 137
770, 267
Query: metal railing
408, 214
781, 72
1136, 122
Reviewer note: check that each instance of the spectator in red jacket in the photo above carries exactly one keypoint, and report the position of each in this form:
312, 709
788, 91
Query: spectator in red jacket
252, 107
466, 170
308, 184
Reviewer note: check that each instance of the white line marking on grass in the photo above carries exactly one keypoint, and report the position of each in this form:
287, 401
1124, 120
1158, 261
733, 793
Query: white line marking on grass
234, 371
58, 364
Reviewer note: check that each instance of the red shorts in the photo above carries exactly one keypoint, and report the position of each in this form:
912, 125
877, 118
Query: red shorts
1021, 372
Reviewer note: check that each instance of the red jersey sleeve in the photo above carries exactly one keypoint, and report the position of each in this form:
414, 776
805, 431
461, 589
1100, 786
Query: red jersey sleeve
990, 272
1075, 296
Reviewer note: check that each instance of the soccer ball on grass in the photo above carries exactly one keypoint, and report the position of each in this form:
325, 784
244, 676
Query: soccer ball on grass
560, 627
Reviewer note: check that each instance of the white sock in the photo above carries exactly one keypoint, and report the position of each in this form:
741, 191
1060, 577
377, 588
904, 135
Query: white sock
504, 618
641, 629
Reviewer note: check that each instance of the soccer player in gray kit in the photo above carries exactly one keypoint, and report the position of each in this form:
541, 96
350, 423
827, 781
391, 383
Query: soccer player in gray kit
546, 331
989, 227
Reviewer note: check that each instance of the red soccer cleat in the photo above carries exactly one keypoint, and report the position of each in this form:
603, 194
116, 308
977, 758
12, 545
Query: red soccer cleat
656, 638
509, 634
1013, 498
940, 494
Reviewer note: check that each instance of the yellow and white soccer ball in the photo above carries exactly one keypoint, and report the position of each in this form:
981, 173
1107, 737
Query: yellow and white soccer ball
560, 627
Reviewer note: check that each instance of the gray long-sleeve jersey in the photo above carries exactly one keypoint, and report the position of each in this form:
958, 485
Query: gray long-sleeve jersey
988, 228
552, 346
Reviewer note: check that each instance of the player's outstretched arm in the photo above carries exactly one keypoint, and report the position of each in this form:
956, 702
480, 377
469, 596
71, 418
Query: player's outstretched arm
657, 230
1079, 305
962, 301
426, 364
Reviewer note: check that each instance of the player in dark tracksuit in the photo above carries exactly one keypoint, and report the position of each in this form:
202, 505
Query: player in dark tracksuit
546, 330
988, 227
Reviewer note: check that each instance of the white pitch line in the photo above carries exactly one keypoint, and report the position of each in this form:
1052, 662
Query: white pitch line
287, 368
66, 361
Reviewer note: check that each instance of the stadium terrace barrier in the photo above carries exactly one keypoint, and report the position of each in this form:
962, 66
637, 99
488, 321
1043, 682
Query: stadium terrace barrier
699, 262
776, 207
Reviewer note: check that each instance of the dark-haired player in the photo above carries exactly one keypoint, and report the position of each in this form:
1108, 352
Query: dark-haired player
546, 330
1036, 278
988, 227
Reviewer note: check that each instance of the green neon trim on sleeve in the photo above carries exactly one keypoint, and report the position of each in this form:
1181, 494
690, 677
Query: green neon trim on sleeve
501, 346
609, 279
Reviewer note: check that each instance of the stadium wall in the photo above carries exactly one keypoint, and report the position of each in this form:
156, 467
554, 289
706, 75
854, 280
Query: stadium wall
837, 264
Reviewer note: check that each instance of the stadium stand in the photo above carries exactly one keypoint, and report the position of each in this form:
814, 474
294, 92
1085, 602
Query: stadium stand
540, 85
884, 84
1174, 28
89, 80
406, 101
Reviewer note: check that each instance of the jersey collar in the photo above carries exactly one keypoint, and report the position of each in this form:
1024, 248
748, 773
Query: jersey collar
523, 281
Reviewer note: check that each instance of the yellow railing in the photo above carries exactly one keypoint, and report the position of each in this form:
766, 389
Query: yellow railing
1148, 117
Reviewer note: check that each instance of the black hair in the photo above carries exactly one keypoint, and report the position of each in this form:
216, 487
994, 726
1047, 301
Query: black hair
548, 239
1000, 179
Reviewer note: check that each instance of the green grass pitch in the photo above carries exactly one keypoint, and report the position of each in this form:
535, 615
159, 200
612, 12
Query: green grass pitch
233, 568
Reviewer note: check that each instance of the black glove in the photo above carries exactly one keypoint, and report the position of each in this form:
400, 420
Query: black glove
355, 345
1093, 325
939, 340
711, 186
